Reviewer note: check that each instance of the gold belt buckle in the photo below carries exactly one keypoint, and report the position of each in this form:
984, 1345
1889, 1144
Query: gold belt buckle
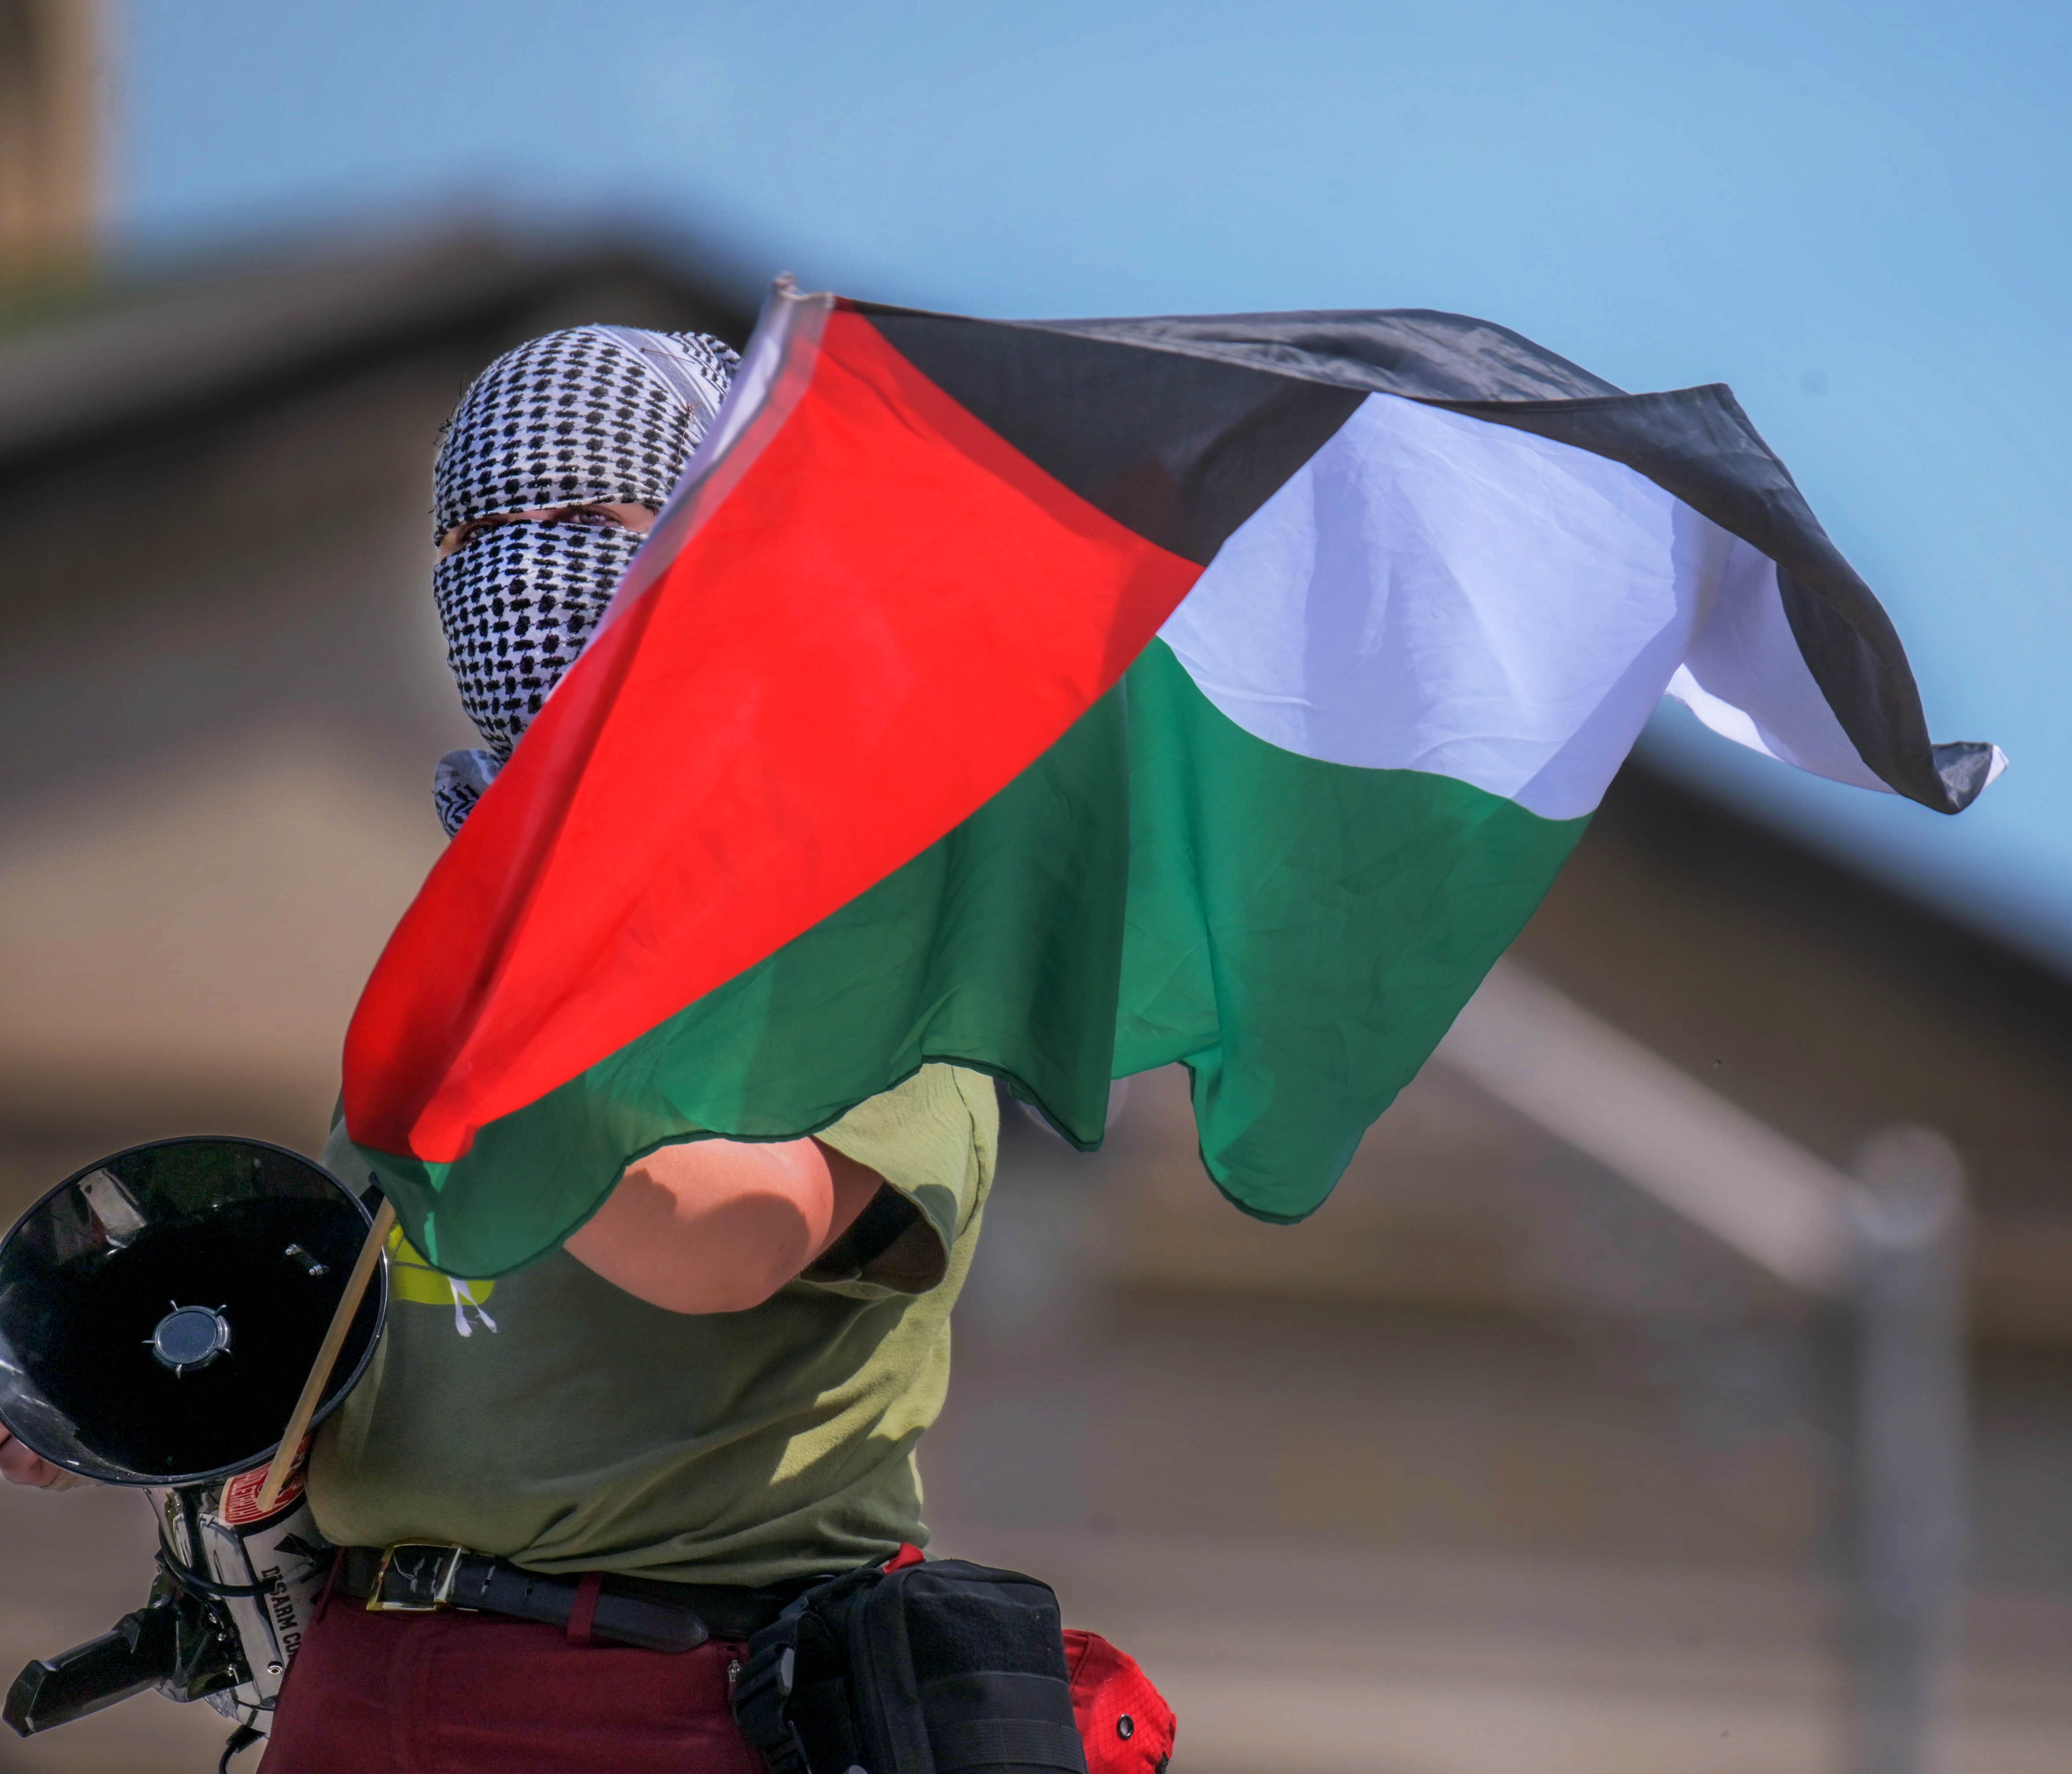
414, 1577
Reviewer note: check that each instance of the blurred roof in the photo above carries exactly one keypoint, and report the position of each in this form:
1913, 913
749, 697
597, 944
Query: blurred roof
130, 359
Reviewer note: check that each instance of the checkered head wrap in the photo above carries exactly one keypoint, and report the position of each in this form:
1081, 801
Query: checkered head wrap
591, 415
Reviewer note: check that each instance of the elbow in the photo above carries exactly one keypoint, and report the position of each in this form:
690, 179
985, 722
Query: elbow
709, 1295
683, 1274
707, 1228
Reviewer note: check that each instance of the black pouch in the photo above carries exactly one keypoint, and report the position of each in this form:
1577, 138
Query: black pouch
934, 1668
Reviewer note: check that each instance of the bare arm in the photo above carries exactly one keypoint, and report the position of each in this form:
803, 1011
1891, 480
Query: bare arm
718, 1225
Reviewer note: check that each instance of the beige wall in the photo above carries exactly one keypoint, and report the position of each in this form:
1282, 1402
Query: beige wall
223, 694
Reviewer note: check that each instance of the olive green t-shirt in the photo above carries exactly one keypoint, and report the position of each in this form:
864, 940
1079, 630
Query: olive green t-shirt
552, 1419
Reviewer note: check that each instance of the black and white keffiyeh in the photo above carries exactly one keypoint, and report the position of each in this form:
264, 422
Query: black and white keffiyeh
591, 415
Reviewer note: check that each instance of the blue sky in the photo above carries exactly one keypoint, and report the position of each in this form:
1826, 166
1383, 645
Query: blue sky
1855, 214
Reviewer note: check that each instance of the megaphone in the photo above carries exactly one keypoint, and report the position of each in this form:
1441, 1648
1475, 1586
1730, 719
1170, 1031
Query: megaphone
160, 1312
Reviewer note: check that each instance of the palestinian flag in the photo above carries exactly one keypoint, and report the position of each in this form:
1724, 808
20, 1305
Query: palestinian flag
1068, 698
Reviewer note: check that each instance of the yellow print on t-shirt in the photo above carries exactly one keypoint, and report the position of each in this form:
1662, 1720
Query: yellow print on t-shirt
415, 1282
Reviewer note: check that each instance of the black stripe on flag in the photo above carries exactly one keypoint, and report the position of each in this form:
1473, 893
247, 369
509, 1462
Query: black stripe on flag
1182, 450
1419, 353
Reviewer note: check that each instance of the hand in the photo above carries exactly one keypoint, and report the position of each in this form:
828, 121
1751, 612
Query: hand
18, 1466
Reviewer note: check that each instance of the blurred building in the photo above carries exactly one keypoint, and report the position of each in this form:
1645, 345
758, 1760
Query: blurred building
1513, 1467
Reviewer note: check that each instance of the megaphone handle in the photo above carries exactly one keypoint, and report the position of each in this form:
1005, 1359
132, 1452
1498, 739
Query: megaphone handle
341, 1321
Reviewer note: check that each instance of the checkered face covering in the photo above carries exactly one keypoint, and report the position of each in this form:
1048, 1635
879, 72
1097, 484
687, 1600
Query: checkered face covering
594, 415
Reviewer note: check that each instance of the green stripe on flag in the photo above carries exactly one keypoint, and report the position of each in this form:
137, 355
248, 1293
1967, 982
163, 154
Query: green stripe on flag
1303, 932
1160, 885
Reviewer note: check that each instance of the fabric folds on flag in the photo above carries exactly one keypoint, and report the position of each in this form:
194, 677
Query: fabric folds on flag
1069, 699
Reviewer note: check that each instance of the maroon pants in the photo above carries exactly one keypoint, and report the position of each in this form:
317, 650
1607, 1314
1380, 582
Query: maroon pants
470, 1693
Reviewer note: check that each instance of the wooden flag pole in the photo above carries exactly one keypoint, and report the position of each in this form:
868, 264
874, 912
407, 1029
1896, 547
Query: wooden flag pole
341, 1321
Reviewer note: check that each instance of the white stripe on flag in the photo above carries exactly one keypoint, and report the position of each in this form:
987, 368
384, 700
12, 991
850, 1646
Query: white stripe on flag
1746, 678
1435, 592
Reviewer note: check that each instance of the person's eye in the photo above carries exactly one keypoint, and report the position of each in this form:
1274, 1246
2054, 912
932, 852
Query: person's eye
595, 514
472, 532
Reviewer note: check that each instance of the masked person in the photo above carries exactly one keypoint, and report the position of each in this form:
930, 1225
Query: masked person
711, 1394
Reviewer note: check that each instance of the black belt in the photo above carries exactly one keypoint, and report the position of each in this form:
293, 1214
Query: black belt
415, 1577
